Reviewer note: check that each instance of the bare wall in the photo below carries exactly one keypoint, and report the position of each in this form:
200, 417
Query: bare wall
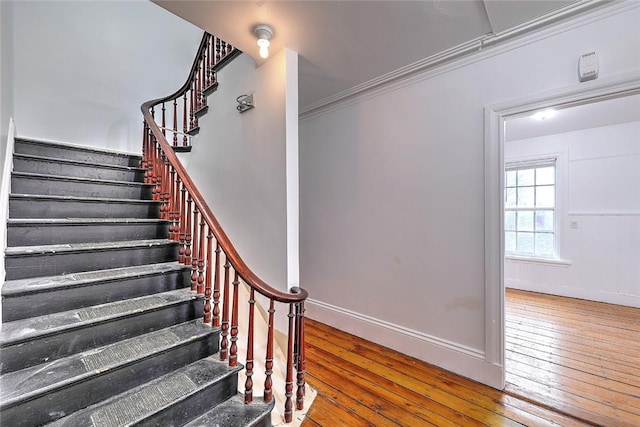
392, 193
82, 69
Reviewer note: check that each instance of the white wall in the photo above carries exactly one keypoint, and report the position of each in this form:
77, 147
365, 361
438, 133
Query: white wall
239, 163
6, 72
600, 193
82, 69
392, 193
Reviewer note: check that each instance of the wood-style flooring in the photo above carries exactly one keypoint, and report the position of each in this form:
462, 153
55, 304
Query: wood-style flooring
360, 383
579, 357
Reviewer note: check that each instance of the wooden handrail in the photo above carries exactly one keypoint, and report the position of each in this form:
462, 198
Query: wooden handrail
194, 225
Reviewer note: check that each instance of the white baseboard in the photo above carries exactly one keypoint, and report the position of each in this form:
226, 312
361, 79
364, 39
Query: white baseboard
566, 291
453, 357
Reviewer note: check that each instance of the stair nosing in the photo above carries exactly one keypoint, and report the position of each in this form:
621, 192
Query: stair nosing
108, 368
69, 146
80, 198
25, 251
78, 162
183, 295
33, 175
18, 287
82, 221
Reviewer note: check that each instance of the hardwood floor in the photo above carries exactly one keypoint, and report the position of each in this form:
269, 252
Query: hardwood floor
580, 357
360, 383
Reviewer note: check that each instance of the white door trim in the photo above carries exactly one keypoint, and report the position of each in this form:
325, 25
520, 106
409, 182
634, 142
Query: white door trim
495, 116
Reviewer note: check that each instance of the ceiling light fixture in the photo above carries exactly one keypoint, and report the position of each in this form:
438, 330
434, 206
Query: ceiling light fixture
543, 115
264, 34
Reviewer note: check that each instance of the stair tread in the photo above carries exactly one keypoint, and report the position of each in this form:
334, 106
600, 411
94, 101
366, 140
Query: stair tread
79, 179
23, 330
40, 284
76, 162
79, 198
143, 401
233, 413
80, 247
69, 221
41, 379
84, 148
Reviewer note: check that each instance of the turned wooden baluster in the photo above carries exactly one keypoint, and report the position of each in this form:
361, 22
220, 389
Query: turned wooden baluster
166, 199
184, 120
192, 123
218, 51
248, 385
210, 57
288, 404
268, 365
195, 250
216, 289
200, 287
175, 122
207, 289
155, 174
183, 225
233, 352
145, 152
187, 235
224, 330
175, 212
301, 359
164, 122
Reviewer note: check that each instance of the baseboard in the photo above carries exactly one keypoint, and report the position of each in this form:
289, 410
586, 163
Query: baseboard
566, 291
453, 357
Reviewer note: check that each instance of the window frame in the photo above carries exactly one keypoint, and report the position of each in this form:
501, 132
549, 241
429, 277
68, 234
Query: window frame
533, 163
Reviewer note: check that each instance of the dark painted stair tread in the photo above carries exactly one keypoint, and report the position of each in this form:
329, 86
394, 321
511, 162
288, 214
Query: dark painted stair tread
79, 198
75, 280
30, 222
66, 151
138, 404
36, 327
76, 162
79, 179
83, 247
37, 380
235, 413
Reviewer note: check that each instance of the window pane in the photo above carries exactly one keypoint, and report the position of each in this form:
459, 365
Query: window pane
544, 220
525, 197
510, 242
525, 177
510, 220
546, 175
511, 179
545, 196
525, 243
525, 221
510, 197
544, 244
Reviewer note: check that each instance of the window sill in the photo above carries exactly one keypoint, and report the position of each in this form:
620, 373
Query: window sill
549, 261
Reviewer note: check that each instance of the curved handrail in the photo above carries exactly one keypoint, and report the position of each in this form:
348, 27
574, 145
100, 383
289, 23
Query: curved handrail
236, 261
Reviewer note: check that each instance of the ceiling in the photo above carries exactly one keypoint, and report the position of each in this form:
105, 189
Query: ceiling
343, 44
607, 112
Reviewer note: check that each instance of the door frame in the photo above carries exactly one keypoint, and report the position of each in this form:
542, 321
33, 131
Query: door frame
494, 133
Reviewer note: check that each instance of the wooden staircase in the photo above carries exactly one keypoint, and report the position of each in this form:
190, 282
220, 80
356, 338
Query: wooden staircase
100, 326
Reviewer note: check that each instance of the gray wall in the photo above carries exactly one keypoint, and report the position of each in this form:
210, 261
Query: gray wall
392, 192
82, 69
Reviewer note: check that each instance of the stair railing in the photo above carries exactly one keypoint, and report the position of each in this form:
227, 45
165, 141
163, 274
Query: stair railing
217, 270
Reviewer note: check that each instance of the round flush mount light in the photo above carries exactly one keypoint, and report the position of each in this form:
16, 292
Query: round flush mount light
263, 33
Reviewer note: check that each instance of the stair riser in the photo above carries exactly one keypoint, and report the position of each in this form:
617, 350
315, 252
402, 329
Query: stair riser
92, 335
196, 404
71, 153
55, 187
57, 403
46, 167
54, 301
50, 234
36, 208
25, 266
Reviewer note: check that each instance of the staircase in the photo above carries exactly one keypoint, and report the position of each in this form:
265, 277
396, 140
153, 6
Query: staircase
100, 327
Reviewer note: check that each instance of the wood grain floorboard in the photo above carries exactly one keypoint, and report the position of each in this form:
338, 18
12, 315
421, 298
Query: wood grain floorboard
580, 357
362, 383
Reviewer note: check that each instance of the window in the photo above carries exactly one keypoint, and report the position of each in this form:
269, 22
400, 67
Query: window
530, 203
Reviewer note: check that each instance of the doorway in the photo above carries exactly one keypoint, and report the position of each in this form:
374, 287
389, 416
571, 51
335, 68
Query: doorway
572, 184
